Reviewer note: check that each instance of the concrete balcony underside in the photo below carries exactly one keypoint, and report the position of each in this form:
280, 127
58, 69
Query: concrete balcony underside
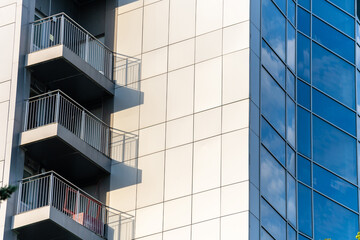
58, 149
59, 68
48, 223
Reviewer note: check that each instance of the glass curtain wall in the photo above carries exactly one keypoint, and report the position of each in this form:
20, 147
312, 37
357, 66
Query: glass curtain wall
309, 113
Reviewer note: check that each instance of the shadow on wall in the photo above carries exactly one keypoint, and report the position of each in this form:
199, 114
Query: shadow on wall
120, 226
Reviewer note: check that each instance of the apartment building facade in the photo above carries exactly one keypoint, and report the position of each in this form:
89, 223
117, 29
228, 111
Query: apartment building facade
179, 119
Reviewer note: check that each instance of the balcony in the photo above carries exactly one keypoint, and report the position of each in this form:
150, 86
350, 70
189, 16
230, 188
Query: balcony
64, 56
51, 207
63, 136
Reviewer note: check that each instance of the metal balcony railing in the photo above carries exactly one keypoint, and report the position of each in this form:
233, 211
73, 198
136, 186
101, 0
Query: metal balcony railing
60, 29
57, 107
50, 189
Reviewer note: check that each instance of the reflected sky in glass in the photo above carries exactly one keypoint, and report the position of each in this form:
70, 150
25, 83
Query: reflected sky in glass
303, 131
303, 57
291, 233
291, 11
272, 140
332, 220
334, 149
303, 94
273, 102
291, 199
290, 84
290, 121
333, 39
281, 4
336, 188
265, 235
304, 170
273, 27
303, 21
304, 209
273, 64
347, 5
272, 178
305, 3
334, 112
333, 76
272, 221
334, 16
290, 160
291, 47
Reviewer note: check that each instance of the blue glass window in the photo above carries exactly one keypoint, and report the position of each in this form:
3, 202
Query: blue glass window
336, 188
301, 237
334, 16
334, 149
291, 199
272, 179
303, 131
304, 170
272, 221
333, 39
303, 94
357, 56
273, 102
358, 33
290, 120
303, 21
273, 27
358, 89
273, 64
333, 76
281, 4
291, 11
290, 84
291, 233
305, 4
272, 141
304, 209
290, 160
303, 57
347, 5
334, 112
291, 47
265, 235
332, 220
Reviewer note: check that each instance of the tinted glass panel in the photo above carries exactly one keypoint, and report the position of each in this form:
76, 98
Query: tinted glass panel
273, 64
333, 221
290, 160
301, 237
333, 39
281, 4
265, 235
303, 94
272, 179
272, 221
334, 149
347, 5
291, 47
291, 11
305, 3
304, 170
358, 90
290, 121
357, 56
358, 33
334, 16
273, 102
303, 57
291, 233
304, 209
271, 139
334, 112
335, 187
333, 76
273, 27
291, 200
303, 131
290, 84
303, 21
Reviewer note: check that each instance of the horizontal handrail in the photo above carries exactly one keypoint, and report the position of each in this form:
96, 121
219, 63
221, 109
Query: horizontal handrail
51, 189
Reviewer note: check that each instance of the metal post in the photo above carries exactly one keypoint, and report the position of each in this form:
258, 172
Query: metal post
51, 188
103, 220
82, 131
107, 145
26, 115
111, 66
32, 38
123, 150
62, 23
57, 107
126, 71
19, 198
87, 48
77, 206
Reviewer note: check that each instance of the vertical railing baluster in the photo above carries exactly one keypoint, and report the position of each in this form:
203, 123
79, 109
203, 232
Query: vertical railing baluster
26, 115
62, 30
82, 132
51, 188
57, 107
32, 38
19, 198
87, 48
